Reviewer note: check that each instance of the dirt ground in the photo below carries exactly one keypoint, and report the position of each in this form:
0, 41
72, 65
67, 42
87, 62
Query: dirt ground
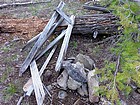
11, 56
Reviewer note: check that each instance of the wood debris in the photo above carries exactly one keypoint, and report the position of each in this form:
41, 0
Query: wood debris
34, 83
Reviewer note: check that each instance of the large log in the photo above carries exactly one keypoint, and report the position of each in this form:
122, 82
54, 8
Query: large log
87, 24
102, 23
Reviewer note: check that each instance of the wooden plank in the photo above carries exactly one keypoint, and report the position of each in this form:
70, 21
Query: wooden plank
43, 37
63, 15
51, 45
37, 84
31, 41
28, 87
64, 45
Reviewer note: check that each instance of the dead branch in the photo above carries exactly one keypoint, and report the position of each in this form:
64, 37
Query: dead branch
21, 4
96, 8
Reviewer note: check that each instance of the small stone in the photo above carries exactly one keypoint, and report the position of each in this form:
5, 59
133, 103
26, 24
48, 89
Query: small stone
72, 84
62, 94
62, 80
93, 84
86, 60
83, 91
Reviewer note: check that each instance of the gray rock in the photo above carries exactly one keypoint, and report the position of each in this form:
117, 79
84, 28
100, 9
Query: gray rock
72, 84
74, 72
62, 94
62, 80
83, 91
93, 84
81, 68
86, 60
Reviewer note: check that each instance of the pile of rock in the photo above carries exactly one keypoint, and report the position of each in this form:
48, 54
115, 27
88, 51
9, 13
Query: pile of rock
79, 75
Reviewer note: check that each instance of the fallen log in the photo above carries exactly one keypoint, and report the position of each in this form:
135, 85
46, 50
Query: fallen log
101, 23
87, 24
20, 4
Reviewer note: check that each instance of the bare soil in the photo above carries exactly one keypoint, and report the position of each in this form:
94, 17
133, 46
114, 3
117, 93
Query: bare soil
29, 21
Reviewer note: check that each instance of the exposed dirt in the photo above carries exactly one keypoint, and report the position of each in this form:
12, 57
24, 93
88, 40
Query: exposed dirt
11, 58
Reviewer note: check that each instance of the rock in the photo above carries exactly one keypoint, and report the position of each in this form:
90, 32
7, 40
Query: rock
80, 66
72, 84
62, 80
86, 60
74, 72
83, 90
93, 84
62, 94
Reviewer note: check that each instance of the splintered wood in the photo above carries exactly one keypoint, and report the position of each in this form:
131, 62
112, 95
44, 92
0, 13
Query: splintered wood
34, 83
42, 38
37, 83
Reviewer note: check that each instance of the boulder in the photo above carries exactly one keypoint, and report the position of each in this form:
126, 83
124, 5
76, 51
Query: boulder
93, 84
86, 60
62, 80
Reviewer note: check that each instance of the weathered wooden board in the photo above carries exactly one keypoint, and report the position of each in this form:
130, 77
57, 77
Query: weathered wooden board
63, 15
51, 45
37, 83
28, 87
42, 38
64, 44
31, 41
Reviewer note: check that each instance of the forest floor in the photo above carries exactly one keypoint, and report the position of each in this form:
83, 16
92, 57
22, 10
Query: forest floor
11, 57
